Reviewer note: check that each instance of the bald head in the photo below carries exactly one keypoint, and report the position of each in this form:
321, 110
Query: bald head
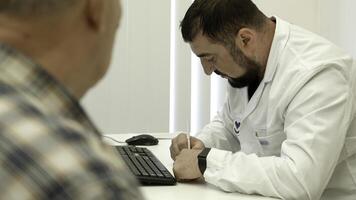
71, 39
33, 7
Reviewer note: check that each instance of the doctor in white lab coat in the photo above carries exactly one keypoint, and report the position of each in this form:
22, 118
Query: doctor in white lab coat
287, 128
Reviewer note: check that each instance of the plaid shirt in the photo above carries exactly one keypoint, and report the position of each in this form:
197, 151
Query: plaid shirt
49, 149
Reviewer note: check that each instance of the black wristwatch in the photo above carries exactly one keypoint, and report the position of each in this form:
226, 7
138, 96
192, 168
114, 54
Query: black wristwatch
202, 159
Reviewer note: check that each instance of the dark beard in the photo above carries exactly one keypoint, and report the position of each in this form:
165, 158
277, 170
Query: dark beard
251, 78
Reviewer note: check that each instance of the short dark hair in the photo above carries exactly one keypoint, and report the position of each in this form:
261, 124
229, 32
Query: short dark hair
33, 7
220, 20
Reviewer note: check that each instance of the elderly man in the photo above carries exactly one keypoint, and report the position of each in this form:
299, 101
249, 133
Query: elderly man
287, 128
51, 53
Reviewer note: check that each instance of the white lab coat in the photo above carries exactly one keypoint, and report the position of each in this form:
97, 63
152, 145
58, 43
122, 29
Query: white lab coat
296, 137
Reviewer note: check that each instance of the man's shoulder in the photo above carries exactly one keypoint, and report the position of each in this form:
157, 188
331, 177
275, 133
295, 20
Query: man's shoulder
52, 151
16, 104
306, 55
310, 50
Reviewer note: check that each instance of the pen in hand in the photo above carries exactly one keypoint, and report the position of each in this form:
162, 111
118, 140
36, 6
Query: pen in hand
188, 139
188, 134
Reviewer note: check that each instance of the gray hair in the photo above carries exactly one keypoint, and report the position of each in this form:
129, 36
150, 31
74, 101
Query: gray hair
33, 7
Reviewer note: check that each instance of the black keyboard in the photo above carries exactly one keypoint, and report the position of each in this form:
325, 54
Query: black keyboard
145, 166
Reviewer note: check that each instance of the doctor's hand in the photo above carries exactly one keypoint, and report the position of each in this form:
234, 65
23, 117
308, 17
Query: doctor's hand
180, 142
185, 166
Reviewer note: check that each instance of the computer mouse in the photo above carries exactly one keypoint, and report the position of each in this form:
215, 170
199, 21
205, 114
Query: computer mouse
144, 139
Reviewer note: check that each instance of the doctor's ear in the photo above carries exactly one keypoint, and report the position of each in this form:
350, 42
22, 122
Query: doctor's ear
95, 10
245, 38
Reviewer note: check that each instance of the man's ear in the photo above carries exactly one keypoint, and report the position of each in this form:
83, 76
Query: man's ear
245, 38
95, 14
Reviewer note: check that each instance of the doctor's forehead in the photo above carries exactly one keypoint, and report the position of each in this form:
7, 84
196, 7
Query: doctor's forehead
202, 47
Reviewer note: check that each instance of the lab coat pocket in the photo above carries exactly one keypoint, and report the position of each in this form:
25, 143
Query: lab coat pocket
271, 143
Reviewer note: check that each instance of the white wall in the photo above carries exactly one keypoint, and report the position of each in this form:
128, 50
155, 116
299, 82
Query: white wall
337, 23
180, 83
300, 12
333, 19
134, 96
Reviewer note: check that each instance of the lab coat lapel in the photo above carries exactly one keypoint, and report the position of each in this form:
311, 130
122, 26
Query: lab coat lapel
250, 143
278, 45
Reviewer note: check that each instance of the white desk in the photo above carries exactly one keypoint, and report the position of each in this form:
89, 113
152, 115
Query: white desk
181, 191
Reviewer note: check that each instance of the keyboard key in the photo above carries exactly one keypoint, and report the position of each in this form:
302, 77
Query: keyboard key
158, 164
153, 166
145, 166
137, 164
131, 166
